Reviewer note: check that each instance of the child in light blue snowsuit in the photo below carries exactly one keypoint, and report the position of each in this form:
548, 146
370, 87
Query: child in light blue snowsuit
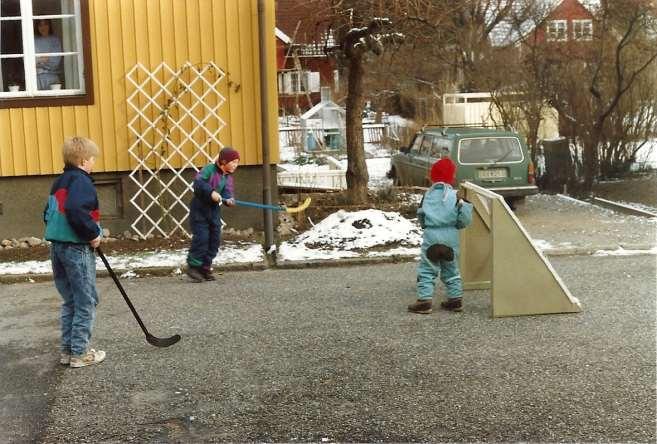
442, 214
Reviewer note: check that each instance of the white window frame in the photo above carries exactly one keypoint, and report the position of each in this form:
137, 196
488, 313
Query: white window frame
553, 30
29, 53
583, 29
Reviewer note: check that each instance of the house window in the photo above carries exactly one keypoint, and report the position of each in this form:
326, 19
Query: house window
44, 53
557, 30
582, 29
297, 82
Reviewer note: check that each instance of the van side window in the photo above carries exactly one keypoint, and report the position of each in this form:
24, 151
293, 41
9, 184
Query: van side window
426, 145
415, 149
436, 147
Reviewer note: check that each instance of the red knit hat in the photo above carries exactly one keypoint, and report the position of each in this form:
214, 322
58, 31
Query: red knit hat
443, 171
227, 155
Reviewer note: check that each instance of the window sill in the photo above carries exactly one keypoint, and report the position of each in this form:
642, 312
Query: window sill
52, 101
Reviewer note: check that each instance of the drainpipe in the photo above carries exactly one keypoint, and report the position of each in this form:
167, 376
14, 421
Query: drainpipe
264, 123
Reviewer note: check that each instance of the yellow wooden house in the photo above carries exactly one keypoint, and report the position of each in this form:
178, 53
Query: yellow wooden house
159, 85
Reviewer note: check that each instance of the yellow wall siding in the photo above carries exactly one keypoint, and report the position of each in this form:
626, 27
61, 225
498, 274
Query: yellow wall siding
6, 152
126, 32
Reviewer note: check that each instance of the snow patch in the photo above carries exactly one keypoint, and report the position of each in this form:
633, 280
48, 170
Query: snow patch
352, 234
620, 251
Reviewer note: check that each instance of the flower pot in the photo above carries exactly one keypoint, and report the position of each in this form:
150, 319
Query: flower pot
14, 88
55, 86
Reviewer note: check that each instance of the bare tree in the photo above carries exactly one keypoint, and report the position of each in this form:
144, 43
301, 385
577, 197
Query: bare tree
360, 35
472, 25
587, 93
631, 125
517, 71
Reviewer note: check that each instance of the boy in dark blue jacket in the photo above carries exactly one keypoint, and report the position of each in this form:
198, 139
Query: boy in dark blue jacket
72, 227
213, 186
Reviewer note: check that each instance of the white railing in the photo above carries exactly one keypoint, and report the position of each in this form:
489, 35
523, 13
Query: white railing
321, 180
294, 136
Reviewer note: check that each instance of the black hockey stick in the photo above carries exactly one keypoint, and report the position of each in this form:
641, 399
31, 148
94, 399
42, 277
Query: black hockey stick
158, 342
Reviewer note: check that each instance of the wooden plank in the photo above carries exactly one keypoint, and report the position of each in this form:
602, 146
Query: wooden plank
221, 59
43, 140
104, 94
117, 79
142, 46
254, 98
207, 55
18, 141
129, 60
194, 56
68, 123
6, 145
250, 119
234, 71
57, 136
155, 58
182, 30
81, 125
167, 12
88, 118
31, 141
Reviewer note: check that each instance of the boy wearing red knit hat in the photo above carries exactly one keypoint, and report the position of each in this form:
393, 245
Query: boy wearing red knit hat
213, 186
441, 214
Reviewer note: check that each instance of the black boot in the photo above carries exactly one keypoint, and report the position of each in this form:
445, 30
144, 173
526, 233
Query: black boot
453, 304
421, 306
195, 274
207, 274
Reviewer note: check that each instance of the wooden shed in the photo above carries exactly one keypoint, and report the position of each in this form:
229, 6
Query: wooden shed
159, 85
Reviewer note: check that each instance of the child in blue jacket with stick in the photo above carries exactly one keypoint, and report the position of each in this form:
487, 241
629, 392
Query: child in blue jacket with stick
72, 227
442, 214
213, 186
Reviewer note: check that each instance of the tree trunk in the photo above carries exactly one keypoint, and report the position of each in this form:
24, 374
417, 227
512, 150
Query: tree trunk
357, 176
590, 161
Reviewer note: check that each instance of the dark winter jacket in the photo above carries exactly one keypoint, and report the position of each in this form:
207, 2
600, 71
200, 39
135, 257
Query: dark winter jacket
71, 214
210, 179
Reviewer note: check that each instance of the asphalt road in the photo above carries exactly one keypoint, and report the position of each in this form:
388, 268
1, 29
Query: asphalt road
313, 354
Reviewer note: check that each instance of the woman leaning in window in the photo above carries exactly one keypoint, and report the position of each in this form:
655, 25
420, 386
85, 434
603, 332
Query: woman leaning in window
48, 67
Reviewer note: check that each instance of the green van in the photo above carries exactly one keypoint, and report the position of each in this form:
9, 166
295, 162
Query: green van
494, 159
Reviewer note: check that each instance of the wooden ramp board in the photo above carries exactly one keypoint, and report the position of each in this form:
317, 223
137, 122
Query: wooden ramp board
497, 253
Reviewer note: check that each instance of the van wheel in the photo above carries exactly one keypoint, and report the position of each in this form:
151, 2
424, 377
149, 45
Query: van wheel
514, 202
392, 174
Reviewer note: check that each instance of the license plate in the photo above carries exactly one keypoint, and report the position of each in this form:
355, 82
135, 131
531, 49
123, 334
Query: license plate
492, 173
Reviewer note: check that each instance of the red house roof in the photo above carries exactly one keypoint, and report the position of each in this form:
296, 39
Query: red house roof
307, 15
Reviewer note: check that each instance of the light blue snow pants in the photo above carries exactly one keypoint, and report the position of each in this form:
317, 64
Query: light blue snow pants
448, 271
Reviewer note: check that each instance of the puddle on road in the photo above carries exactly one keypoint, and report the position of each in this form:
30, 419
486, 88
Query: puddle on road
180, 429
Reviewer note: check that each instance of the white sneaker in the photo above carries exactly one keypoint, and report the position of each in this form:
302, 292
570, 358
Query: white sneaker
64, 358
90, 358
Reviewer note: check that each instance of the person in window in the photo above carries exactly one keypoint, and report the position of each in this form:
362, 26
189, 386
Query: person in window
48, 67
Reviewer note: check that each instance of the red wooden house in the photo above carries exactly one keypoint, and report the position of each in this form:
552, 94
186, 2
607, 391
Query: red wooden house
303, 67
568, 22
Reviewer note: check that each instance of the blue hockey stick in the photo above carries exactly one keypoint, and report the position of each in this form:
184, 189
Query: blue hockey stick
301, 207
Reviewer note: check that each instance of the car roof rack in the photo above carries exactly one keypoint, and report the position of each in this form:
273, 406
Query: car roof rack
444, 128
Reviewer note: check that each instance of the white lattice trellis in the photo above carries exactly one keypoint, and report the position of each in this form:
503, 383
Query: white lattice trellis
176, 121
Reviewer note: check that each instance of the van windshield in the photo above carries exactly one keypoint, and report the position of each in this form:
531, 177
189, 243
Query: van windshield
490, 150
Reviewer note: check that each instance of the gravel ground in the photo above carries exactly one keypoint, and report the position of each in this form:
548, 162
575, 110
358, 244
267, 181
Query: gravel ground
307, 355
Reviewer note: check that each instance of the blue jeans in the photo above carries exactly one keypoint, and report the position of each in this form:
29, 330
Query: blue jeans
74, 271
